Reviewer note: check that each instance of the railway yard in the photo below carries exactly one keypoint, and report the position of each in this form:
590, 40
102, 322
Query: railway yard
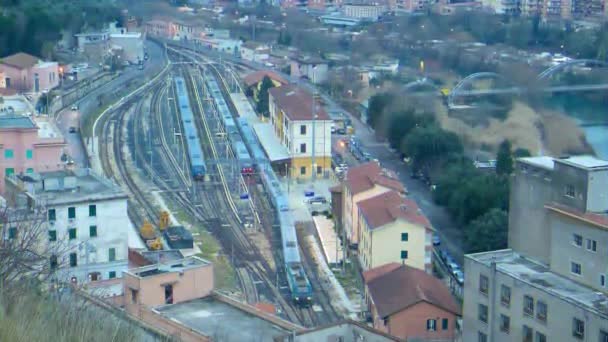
146, 145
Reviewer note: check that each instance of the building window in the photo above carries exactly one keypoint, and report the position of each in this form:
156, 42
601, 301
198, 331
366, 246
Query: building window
404, 236
52, 235
505, 323
482, 313
29, 154
444, 324
483, 284
302, 129
12, 233
92, 210
302, 148
591, 245
577, 240
133, 296
112, 254
603, 336
570, 190
72, 212
112, 275
73, 260
9, 171
505, 295
29, 170
578, 328
481, 337
576, 268
603, 282
8, 154
72, 233
528, 306
431, 325
319, 170
527, 334
540, 337
302, 170
53, 261
51, 214
403, 255
92, 231
541, 311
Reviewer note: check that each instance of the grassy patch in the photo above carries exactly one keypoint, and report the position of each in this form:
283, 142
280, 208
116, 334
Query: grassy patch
350, 279
225, 276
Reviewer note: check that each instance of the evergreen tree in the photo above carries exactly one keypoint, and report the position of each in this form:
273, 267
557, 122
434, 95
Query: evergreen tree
262, 100
504, 159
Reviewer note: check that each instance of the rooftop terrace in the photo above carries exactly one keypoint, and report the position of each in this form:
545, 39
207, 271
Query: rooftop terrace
225, 321
167, 267
540, 277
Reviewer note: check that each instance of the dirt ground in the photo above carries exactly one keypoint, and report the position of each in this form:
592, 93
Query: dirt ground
539, 132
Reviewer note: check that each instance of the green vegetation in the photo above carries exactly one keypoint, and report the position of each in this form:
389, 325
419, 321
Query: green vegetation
33, 26
504, 159
487, 232
35, 316
261, 105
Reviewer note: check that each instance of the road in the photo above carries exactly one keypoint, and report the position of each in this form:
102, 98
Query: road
449, 233
110, 92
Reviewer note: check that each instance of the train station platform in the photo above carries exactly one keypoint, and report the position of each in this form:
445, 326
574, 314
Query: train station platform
330, 244
264, 131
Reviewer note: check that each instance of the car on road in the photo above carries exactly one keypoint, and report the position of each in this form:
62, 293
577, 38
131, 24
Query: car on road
74, 107
436, 240
317, 200
341, 131
73, 129
459, 275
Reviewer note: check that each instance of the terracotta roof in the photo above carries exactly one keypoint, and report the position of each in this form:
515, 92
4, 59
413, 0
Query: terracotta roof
390, 206
406, 286
136, 259
266, 307
365, 176
258, 76
20, 60
600, 220
381, 270
296, 103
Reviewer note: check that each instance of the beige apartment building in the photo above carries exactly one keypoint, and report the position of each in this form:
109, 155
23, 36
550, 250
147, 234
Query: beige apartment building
393, 229
551, 284
363, 182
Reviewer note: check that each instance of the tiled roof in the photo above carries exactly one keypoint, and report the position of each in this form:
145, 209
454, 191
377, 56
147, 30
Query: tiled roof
258, 76
600, 220
406, 286
390, 206
379, 271
20, 60
363, 177
296, 103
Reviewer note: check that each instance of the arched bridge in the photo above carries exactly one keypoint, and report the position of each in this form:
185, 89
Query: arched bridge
545, 75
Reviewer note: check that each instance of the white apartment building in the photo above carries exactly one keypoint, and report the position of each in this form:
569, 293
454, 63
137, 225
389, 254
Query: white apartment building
552, 284
86, 217
291, 115
364, 11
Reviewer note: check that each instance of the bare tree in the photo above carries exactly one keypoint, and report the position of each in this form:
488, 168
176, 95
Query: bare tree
25, 250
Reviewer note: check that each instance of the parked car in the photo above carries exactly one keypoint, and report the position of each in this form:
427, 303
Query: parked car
74, 107
436, 240
341, 131
459, 275
317, 199
73, 129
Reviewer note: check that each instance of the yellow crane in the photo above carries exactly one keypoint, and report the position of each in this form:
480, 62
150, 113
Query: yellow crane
164, 220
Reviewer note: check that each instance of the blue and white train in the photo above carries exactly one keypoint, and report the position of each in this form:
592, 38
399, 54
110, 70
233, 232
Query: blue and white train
195, 152
299, 285
230, 128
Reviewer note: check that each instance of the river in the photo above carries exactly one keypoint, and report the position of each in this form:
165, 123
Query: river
586, 111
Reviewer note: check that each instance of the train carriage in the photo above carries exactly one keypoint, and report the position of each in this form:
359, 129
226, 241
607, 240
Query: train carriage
198, 168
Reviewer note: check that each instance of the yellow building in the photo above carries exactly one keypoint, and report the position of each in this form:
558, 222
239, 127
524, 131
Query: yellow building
393, 229
306, 136
363, 182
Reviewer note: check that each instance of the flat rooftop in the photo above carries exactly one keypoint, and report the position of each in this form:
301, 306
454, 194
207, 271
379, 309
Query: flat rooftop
540, 277
168, 267
47, 129
588, 162
542, 161
222, 321
270, 142
68, 186
13, 121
